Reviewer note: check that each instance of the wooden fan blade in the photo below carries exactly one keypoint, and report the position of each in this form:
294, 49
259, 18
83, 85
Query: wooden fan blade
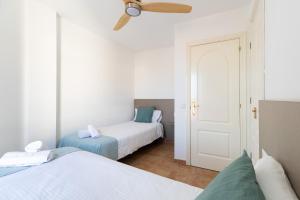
126, 1
122, 22
166, 7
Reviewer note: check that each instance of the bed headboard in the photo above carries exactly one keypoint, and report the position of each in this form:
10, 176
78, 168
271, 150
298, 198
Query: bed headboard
280, 136
167, 108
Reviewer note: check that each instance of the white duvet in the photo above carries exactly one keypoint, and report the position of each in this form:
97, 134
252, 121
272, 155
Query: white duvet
86, 176
132, 135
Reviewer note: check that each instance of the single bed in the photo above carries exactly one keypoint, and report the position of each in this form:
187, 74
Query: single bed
133, 135
117, 141
85, 176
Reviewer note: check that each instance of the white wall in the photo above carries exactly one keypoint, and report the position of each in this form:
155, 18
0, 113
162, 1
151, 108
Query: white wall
10, 75
97, 80
73, 77
282, 50
40, 73
57, 77
154, 74
231, 22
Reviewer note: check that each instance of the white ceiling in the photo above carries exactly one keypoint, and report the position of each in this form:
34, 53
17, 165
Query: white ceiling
150, 30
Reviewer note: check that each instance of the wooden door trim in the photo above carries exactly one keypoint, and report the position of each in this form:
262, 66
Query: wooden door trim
243, 87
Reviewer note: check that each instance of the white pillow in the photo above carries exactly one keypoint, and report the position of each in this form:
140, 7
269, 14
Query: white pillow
156, 118
135, 113
272, 179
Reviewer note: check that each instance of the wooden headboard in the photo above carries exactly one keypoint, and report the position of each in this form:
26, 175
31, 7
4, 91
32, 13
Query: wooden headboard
167, 108
280, 136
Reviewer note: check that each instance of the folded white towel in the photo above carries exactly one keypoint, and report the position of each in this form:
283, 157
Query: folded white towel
84, 134
94, 132
24, 159
34, 147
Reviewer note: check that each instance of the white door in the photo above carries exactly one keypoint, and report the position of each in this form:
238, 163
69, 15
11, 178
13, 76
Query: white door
215, 110
256, 78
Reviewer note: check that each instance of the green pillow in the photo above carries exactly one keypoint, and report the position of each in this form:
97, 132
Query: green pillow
144, 115
236, 182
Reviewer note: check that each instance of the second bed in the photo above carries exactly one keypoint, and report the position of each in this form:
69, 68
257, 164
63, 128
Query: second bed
117, 141
133, 135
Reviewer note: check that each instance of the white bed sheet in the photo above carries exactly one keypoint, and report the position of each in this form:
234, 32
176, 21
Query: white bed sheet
133, 135
86, 176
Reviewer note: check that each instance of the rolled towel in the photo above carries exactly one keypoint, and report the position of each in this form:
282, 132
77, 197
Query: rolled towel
34, 147
84, 134
94, 132
25, 159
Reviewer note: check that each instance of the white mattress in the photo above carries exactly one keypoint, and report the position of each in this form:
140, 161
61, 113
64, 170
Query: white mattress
132, 135
86, 176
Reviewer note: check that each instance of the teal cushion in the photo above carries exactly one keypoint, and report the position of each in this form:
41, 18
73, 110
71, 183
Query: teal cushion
144, 115
236, 182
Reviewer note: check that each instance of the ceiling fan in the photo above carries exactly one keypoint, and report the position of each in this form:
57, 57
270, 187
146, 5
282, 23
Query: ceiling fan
133, 8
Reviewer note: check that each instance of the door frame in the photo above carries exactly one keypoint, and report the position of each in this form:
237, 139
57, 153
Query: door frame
255, 10
243, 87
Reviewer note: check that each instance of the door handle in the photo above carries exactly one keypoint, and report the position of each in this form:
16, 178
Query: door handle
195, 106
254, 111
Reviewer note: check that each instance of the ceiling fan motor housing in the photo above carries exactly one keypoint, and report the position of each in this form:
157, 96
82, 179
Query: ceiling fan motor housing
133, 9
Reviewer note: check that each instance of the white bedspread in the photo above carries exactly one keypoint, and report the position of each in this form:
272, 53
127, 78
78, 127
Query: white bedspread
86, 176
132, 135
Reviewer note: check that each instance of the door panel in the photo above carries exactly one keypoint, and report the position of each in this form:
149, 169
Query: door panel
213, 82
213, 143
215, 115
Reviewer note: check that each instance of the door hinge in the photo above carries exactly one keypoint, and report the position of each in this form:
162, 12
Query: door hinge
250, 100
240, 48
250, 45
240, 106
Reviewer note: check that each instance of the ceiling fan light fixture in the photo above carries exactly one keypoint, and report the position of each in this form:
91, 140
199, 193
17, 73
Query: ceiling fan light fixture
133, 9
